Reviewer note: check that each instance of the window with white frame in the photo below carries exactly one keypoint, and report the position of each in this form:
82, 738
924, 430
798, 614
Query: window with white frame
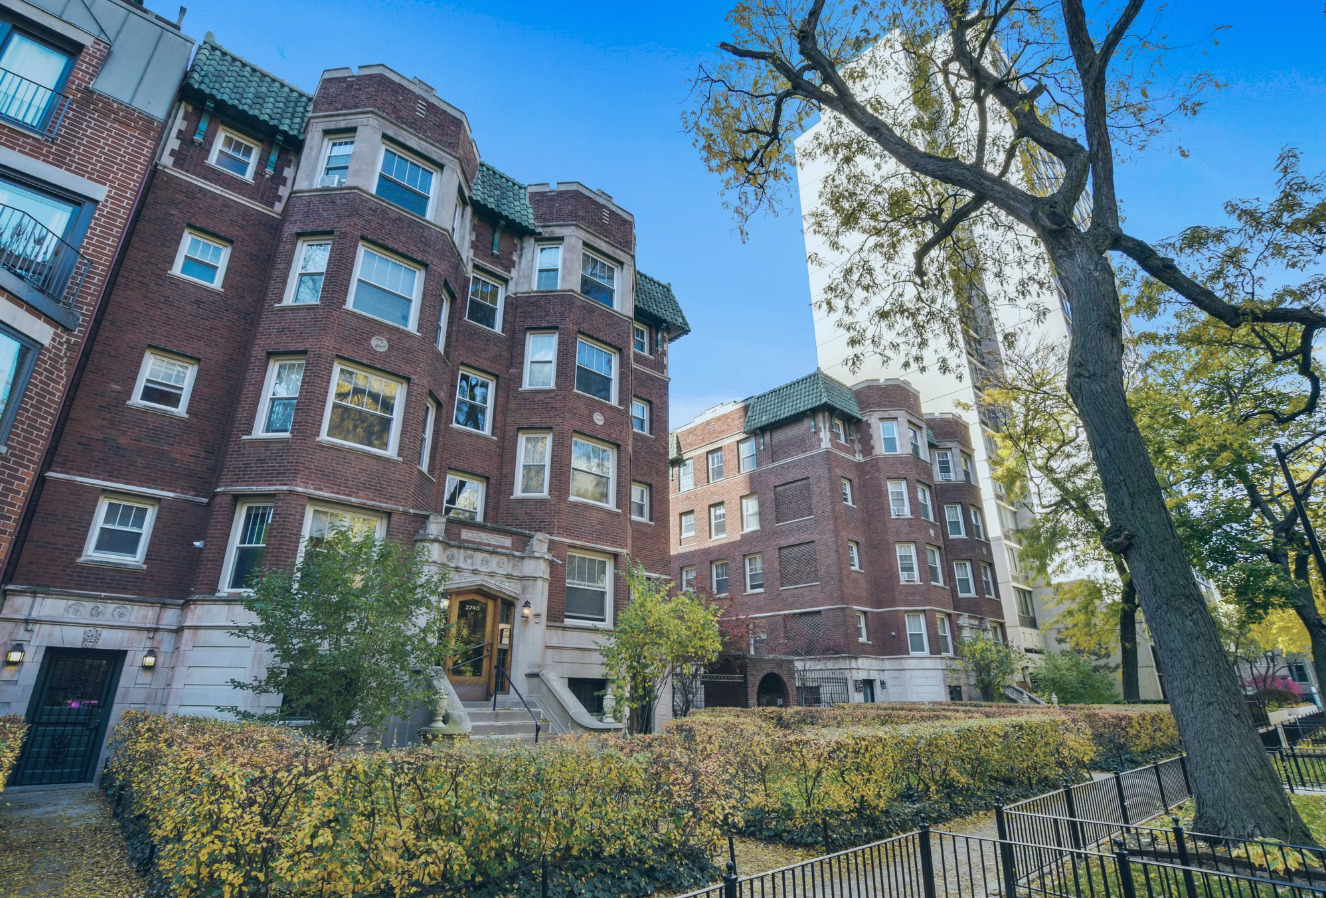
853, 555
248, 544
754, 573
443, 316
997, 632
968, 470
463, 499
405, 182
548, 275
310, 270
364, 409
1025, 603
386, 289
121, 529
845, 487
596, 368
944, 464
426, 441
924, 503
963, 578
593, 471
915, 441
899, 503
977, 523
907, 572
916, 636
639, 415
1008, 519
336, 165
988, 580
640, 338
944, 633
460, 215
746, 456
750, 513
888, 437
598, 279
1014, 559
540, 360
320, 521
718, 521
953, 517
474, 398
234, 154
715, 460
487, 295
839, 430
640, 501
686, 479
688, 578
686, 524
718, 581
202, 259
588, 592
534, 455
933, 562
862, 633
280, 392
165, 382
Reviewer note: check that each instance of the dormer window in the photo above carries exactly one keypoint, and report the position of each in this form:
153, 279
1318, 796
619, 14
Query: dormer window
405, 182
336, 168
234, 154
598, 279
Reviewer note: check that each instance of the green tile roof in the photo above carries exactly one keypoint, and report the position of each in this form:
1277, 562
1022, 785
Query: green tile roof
800, 397
241, 89
656, 300
502, 195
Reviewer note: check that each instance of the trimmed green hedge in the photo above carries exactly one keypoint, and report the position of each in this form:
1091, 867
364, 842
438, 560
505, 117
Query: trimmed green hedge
12, 729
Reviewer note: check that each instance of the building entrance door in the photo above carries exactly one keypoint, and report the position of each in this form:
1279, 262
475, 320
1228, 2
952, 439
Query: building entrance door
67, 717
481, 627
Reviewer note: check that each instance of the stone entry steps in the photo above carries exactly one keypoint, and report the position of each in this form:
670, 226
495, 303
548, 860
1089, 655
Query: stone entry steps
504, 723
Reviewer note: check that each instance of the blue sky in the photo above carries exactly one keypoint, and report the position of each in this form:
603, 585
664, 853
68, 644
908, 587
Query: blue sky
593, 91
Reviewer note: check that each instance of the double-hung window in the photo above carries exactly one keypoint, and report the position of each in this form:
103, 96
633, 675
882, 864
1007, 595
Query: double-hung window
988, 580
540, 360
754, 573
746, 456
944, 464
686, 478
405, 182
598, 279
426, 442
968, 472
234, 154
715, 460
839, 430
953, 517
686, 524
933, 563
18, 356
907, 572
336, 167
640, 501
321, 521
688, 579
364, 409
464, 496
280, 393
32, 73
944, 633
248, 544
202, 259
977, 523
549, 273
596, 368
535, 455
588, 593
862, 632
1026, 607
718, 580
474, 398
750, 513
888, 437
916, 637
310, 269
1014, 559
854, 555
963, 578
165, 382
845, 487
915, 441
718, 521
121, 529
386, 289
640, 338
924, 503
899, 503
460, 215
639, 415
440, 341
593, 471
486, 298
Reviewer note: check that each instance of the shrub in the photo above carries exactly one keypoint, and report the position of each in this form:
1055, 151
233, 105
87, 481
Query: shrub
12, 729
1279, 692
1073, 679
1129, 736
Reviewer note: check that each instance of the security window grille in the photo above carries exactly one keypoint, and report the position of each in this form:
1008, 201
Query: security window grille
540, 360
405, 182
754, 573
933, 563
166, 383
586, 587
792, 500
687, 476
916, 640
202, 259
310, 271
945, 635
363, 409
594, 371
534, 458
977, 523
798, 565
924, 503
899, 504
337, 167
953, 517
746, 456
845, 488
750, 513
598, 279
718, 578
640, 501
907, 562
250, 544
715, 459
550, 266
962, 576
473, 401
640, 416
464, 498
888, 437
853, 555
234, 155
485, 305
688, 579
686, 523
988, 580
717, 521
591, 472
284, 378
121, 530
640, 338
385, 289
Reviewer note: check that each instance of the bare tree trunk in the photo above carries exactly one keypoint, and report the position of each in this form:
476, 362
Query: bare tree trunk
1128, 640
1237, 791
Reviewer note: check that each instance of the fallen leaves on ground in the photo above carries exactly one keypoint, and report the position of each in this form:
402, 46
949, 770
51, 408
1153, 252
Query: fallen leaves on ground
71, 850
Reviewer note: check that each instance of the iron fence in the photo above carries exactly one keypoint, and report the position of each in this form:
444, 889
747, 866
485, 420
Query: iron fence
820, 690
1123, 797
1304, 729
1300, 769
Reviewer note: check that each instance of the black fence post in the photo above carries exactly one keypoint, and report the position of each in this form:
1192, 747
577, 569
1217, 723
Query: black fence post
1281, 768
1006, 853
824, 830
1125, 870
1123, 800
1183, 765
1160, 784
543, 876
1074, 828
927, 862
730, 881
731, 851
1181, 841
1302, 780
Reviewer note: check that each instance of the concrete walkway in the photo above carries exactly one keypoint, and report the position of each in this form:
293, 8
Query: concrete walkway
62, 842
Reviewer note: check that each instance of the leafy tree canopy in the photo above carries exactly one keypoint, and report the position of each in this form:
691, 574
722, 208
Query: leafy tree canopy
990, 663
1073, 679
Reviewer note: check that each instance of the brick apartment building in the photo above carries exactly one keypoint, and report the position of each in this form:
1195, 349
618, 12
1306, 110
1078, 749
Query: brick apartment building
840, 527
332, 312
85, 89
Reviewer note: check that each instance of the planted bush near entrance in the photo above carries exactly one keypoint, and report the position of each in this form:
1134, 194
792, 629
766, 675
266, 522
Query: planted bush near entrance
12, 728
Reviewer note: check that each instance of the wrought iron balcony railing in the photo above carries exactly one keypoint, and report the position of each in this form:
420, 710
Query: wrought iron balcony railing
32, 252
30, 105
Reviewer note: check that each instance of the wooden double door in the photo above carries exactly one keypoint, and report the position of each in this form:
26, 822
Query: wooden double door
482, 627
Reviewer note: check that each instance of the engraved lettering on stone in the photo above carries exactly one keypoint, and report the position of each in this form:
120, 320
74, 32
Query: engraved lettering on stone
492, 539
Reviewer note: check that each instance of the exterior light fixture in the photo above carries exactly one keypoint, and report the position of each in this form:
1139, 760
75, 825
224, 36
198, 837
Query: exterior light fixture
149, 659
15, 655
526, 610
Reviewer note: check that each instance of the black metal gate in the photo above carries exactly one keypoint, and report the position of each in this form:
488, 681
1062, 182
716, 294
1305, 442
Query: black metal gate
820, 690
67, 717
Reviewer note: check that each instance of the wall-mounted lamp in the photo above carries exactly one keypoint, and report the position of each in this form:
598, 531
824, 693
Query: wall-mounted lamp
526, 610
15, 655
446, 601
149, 659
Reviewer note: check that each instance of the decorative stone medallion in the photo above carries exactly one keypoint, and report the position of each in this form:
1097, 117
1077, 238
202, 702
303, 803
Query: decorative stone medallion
379, 343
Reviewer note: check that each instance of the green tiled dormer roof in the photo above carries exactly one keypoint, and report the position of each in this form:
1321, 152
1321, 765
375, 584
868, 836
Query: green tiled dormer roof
502, 195
800, 397
655, 299
240, 89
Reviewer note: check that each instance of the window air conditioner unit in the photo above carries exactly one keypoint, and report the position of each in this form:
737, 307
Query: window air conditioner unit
331, 181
